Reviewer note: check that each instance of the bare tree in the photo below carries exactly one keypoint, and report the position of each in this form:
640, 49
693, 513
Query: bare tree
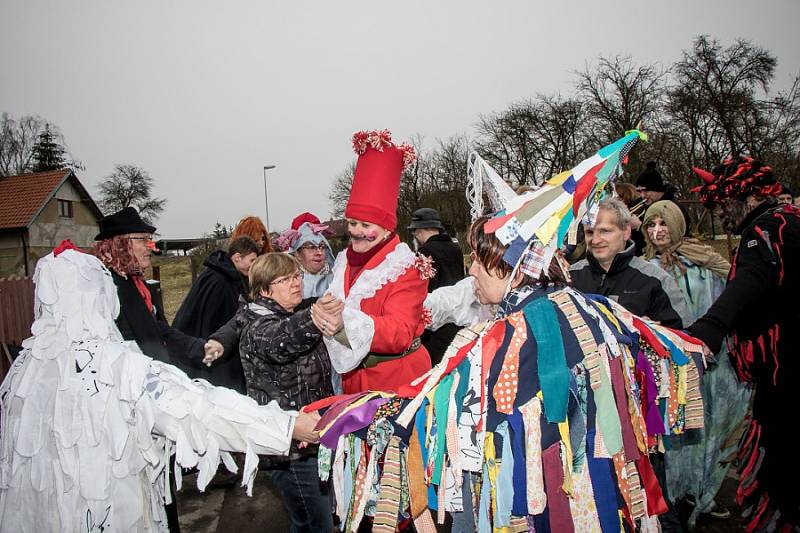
534, 139
620, 96
723, 85
127, 186
340, 190
17, 139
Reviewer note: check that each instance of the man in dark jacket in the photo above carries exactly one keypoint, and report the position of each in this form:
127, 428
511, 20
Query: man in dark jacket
611, 269
448, 260
759, 307
212, 301
651, 187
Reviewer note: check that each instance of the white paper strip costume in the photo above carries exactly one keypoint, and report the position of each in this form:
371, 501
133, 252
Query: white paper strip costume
89, 422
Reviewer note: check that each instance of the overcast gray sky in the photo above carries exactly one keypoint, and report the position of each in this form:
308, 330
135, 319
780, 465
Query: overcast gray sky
204, 94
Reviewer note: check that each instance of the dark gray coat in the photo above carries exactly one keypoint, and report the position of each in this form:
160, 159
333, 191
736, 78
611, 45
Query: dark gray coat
283, 356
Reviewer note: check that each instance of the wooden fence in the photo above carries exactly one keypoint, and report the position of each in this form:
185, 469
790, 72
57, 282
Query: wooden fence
16, 316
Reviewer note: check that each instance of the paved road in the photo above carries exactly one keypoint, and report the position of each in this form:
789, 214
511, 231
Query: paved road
231, 510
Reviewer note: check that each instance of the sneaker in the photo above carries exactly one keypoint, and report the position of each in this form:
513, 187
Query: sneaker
720, 512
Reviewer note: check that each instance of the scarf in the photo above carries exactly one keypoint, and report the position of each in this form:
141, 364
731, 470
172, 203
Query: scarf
144, 291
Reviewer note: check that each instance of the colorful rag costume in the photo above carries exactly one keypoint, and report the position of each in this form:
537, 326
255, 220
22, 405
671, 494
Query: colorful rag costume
89, 422
539, 419
384, 288
759, 308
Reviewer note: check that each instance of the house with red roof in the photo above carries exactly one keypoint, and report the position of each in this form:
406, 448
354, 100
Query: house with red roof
37, 212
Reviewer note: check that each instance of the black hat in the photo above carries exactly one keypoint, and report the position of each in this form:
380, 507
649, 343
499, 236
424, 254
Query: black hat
426, 218
122, 223
650, 179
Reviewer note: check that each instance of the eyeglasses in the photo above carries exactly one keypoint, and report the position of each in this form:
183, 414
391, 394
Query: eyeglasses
314, 247
288, 279
145, 238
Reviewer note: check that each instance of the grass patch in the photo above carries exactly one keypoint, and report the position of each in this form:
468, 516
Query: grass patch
176, 280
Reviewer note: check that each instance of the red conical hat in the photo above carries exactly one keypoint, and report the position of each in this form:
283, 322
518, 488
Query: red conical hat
376, 182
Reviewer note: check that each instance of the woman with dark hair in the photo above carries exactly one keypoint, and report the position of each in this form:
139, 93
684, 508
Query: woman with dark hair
550, 334
695, 467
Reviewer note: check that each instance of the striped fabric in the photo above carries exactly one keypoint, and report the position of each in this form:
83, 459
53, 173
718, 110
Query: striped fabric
694, 400
389, 499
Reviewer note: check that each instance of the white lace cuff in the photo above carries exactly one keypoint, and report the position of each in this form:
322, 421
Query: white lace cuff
359, 329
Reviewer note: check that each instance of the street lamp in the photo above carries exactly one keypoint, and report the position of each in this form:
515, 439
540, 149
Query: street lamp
266, 200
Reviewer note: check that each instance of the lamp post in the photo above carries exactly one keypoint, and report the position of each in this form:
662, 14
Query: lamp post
266, 200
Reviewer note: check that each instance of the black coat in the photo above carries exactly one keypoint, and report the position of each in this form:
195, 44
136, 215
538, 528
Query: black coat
283, 355
150, 330
448, 260
211, 302
637, 285
759, 307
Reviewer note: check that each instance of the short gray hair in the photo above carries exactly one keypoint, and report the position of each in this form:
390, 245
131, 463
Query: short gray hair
620, 210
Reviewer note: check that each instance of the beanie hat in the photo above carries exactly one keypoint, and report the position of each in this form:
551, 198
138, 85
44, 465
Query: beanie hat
650, 179
376, 182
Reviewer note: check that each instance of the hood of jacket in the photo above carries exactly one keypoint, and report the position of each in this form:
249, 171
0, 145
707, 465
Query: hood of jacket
220, 262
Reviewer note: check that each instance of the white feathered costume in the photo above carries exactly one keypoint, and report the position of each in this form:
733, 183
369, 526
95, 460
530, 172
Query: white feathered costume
89, 422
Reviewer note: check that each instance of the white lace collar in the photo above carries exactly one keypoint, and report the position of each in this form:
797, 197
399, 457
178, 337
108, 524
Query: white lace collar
371, 280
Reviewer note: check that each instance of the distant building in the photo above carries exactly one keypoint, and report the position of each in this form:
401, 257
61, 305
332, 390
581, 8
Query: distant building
37, 212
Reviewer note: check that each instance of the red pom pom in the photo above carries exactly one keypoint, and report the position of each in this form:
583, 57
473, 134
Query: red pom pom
409, 155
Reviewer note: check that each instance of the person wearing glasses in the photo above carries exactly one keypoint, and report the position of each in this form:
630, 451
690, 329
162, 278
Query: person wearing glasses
285, 360
306, 241
124, 245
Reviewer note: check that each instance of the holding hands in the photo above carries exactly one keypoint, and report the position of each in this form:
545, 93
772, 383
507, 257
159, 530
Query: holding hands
213, 351
304, 428
326, 314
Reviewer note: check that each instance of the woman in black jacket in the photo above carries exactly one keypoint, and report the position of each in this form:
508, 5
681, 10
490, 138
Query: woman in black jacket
284, 359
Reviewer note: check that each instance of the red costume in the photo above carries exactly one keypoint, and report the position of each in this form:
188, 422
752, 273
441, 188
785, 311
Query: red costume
379, 347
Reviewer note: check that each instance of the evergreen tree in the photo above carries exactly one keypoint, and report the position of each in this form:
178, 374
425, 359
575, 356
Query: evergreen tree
48, 154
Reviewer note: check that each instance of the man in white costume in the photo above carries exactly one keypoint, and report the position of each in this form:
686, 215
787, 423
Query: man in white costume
89, 422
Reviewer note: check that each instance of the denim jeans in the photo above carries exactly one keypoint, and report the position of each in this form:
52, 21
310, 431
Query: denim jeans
305, 497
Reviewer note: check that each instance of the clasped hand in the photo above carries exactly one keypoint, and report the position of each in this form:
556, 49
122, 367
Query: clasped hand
213, 351
326, 314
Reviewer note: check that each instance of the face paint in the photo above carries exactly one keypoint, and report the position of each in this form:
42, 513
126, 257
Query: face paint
369, 236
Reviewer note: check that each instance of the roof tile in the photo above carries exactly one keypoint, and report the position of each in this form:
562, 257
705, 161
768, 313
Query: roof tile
22, 196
